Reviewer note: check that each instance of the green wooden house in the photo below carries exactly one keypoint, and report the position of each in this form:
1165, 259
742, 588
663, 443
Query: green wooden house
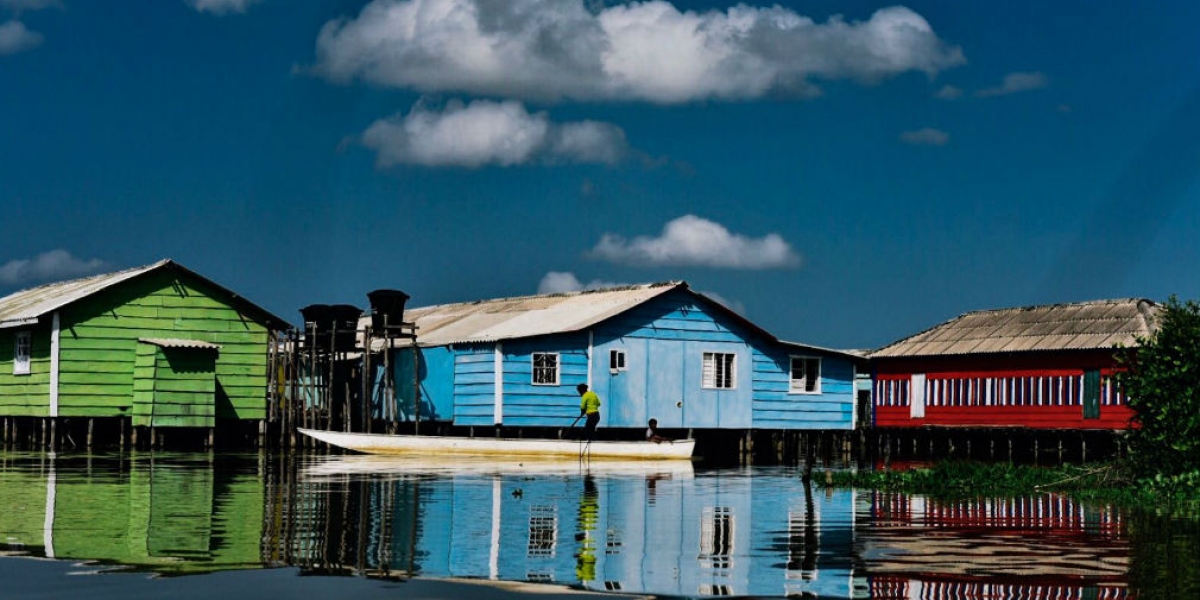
158, 346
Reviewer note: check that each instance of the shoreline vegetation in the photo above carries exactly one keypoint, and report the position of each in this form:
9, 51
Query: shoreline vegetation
1108, 483
1161, 473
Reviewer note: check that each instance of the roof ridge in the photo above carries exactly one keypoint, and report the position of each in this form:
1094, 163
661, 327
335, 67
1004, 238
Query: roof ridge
1128, 300
615, 288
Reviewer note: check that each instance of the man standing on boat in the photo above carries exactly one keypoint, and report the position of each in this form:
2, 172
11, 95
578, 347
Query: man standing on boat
589, 405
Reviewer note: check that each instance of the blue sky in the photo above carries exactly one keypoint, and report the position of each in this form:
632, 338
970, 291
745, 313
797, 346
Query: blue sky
842, 173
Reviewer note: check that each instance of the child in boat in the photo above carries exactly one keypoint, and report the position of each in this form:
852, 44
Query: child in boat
652, 434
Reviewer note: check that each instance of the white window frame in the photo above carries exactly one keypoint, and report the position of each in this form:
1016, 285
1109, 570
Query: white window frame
22, 352
798, 386
709, 375
616, 361
533, 360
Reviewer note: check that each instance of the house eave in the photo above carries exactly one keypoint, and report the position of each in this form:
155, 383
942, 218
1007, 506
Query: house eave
14, 323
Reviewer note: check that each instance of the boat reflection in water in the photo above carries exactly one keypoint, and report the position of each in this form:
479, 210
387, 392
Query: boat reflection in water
633, 526
637, 527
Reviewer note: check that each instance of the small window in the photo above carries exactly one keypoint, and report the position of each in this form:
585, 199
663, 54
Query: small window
545, 368
720, 370
22, 350
616, 360
806, 375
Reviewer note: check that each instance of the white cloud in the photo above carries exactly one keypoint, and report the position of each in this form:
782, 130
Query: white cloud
551, 49
49, 266
1016, 82
489, 133
694, 241
558, 282
948, 92
221, 7
15, 37
925, 136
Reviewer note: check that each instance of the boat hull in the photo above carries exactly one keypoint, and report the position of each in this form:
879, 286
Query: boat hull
376, 443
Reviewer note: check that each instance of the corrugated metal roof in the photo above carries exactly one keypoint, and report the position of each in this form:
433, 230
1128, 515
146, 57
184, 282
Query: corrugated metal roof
527, 316
179, 343
1090, 325
26, 306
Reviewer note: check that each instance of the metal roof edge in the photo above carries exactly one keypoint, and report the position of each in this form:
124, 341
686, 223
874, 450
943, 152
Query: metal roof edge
620, 288
856, 355
131, 273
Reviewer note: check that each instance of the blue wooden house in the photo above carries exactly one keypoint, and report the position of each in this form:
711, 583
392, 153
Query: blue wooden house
658, 351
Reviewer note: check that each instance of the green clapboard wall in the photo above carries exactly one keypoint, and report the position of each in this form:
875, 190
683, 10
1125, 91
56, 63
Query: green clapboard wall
99, 353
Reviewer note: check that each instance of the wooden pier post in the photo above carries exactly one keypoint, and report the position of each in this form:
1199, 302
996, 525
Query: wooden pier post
366, 381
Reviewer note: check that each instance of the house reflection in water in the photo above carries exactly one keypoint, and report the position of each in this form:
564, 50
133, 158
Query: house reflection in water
657, 529
637, 528
1046, 546
169, 517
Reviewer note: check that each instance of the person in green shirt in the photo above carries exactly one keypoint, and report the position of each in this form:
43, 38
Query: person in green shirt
589, 405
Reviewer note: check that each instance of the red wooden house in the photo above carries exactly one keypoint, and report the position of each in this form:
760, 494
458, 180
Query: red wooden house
1040, 367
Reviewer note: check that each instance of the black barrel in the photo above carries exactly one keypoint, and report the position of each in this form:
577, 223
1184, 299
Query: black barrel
341, 318
387, 305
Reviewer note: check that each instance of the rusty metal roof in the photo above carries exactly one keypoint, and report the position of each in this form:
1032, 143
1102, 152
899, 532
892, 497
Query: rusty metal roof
179, 343
27, 306
1098, 324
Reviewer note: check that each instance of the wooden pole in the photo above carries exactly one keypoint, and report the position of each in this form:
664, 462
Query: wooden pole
91, 430
366, 369
416, 357
329, 376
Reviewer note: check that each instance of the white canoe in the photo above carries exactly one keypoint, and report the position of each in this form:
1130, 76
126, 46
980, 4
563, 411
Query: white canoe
396, 466
380, 443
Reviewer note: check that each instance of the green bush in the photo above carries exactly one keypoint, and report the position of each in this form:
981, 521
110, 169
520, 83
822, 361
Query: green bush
1162, 381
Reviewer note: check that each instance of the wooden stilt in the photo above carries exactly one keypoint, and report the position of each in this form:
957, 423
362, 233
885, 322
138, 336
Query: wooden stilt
91, 431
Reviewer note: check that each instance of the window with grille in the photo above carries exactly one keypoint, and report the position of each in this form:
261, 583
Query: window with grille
719, 370
716, 537
545, 368
543, 530
22, 350
616, 360
806, 375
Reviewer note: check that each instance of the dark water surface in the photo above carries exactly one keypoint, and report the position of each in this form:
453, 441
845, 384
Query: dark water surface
258, 526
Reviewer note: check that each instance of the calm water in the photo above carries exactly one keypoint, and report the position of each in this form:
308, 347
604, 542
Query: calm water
258, 526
